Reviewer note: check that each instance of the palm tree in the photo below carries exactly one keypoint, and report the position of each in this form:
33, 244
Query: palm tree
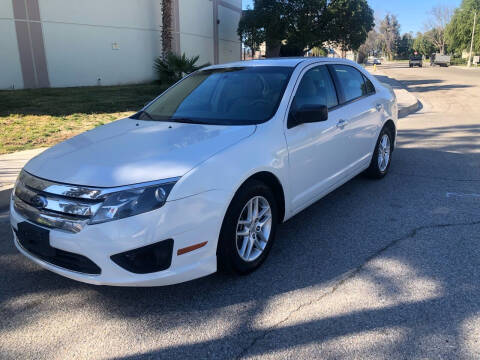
166, 27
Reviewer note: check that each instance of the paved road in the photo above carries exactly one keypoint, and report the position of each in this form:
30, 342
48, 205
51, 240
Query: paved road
378, 269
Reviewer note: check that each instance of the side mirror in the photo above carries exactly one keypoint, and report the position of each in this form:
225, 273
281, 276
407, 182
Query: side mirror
308, 114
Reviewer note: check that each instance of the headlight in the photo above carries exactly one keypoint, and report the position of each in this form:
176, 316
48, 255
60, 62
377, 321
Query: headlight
132, 202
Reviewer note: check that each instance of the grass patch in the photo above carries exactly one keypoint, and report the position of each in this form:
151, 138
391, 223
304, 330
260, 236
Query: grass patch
43, 117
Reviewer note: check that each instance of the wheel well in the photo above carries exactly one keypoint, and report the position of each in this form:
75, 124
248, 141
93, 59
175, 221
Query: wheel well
391, 126
273, 183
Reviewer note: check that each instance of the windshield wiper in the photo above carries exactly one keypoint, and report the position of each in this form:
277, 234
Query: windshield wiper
143, 114
185, 120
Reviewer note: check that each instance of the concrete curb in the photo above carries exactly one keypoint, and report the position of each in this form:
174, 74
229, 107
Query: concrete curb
407, 102
404, 111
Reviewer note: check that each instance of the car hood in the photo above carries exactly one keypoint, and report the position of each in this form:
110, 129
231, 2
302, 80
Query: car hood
128, 151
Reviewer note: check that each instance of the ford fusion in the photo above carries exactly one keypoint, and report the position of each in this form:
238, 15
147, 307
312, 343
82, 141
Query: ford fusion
200, 178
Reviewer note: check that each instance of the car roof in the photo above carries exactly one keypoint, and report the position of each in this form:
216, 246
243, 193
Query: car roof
286, 61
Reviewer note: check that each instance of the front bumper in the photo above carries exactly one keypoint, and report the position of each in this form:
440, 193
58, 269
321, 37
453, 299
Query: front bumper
189, 221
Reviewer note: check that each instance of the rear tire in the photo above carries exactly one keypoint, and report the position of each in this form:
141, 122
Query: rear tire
246, 238
382, 156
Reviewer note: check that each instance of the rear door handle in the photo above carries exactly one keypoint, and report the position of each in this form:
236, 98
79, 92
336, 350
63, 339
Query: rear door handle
341, 124
379, 107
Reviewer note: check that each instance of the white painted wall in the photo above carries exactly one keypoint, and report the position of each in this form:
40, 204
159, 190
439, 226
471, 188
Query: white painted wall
229, 42
10, 68
144, 14
79, 38
80, 55
196, 29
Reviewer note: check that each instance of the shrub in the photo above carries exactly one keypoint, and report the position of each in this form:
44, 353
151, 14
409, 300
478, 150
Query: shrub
458, 61
173, 67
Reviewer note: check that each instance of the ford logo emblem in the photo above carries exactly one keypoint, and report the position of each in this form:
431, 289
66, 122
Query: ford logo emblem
39, 201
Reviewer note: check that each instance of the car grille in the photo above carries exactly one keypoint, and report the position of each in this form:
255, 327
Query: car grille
55, 205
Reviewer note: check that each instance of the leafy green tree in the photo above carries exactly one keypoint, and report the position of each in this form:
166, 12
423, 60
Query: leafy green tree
251, 34
270, 17
350, 23
390, 35
307, 26
405, 46
296, 26
423, 45
459, 30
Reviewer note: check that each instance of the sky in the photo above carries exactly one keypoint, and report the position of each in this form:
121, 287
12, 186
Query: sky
412, 14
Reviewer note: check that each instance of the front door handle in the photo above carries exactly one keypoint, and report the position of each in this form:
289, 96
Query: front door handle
341, 124
379, 107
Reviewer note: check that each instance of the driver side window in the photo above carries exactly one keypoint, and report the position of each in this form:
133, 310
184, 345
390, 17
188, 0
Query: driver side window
315, 88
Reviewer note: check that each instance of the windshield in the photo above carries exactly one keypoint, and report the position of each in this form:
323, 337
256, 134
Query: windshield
228, 96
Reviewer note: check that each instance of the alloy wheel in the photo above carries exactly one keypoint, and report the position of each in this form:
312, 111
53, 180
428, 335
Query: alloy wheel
384, 153
253, 228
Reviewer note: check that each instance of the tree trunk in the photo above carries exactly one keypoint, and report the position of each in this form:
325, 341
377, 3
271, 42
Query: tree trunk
166, 27
273, 49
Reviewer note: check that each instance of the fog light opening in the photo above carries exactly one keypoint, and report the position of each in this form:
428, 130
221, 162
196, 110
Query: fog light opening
148, 259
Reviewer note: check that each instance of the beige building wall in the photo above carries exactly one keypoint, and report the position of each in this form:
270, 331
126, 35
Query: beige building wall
10, 69
230, 47
62, 43
214, 41
196, 36
106, 42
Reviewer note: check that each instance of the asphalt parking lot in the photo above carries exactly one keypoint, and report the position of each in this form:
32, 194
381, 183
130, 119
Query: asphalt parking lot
384, 269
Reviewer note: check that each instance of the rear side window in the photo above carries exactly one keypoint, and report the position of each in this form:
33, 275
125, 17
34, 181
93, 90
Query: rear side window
369, 86
351, 81
315, 88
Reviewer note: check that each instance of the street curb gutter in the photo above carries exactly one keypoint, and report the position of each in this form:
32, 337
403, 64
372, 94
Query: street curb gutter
409, 101
407, 110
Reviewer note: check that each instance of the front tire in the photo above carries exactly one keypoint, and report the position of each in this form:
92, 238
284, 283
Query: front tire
248, 229
382, 156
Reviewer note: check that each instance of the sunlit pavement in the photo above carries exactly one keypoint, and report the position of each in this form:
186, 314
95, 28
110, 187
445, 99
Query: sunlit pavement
384, 269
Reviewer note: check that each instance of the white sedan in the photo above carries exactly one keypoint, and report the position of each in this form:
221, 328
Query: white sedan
201, 177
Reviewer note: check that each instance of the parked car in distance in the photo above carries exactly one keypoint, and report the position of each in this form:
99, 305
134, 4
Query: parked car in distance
377, 61
202, 176
440, 60
415, 60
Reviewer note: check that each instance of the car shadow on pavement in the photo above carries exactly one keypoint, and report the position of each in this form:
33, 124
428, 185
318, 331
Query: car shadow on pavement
316, 255
458, 138
423, 85
420, 89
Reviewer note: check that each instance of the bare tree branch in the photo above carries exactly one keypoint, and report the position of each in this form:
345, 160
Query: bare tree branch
435, 27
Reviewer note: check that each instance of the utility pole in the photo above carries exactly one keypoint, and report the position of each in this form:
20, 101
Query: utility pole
473, 36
